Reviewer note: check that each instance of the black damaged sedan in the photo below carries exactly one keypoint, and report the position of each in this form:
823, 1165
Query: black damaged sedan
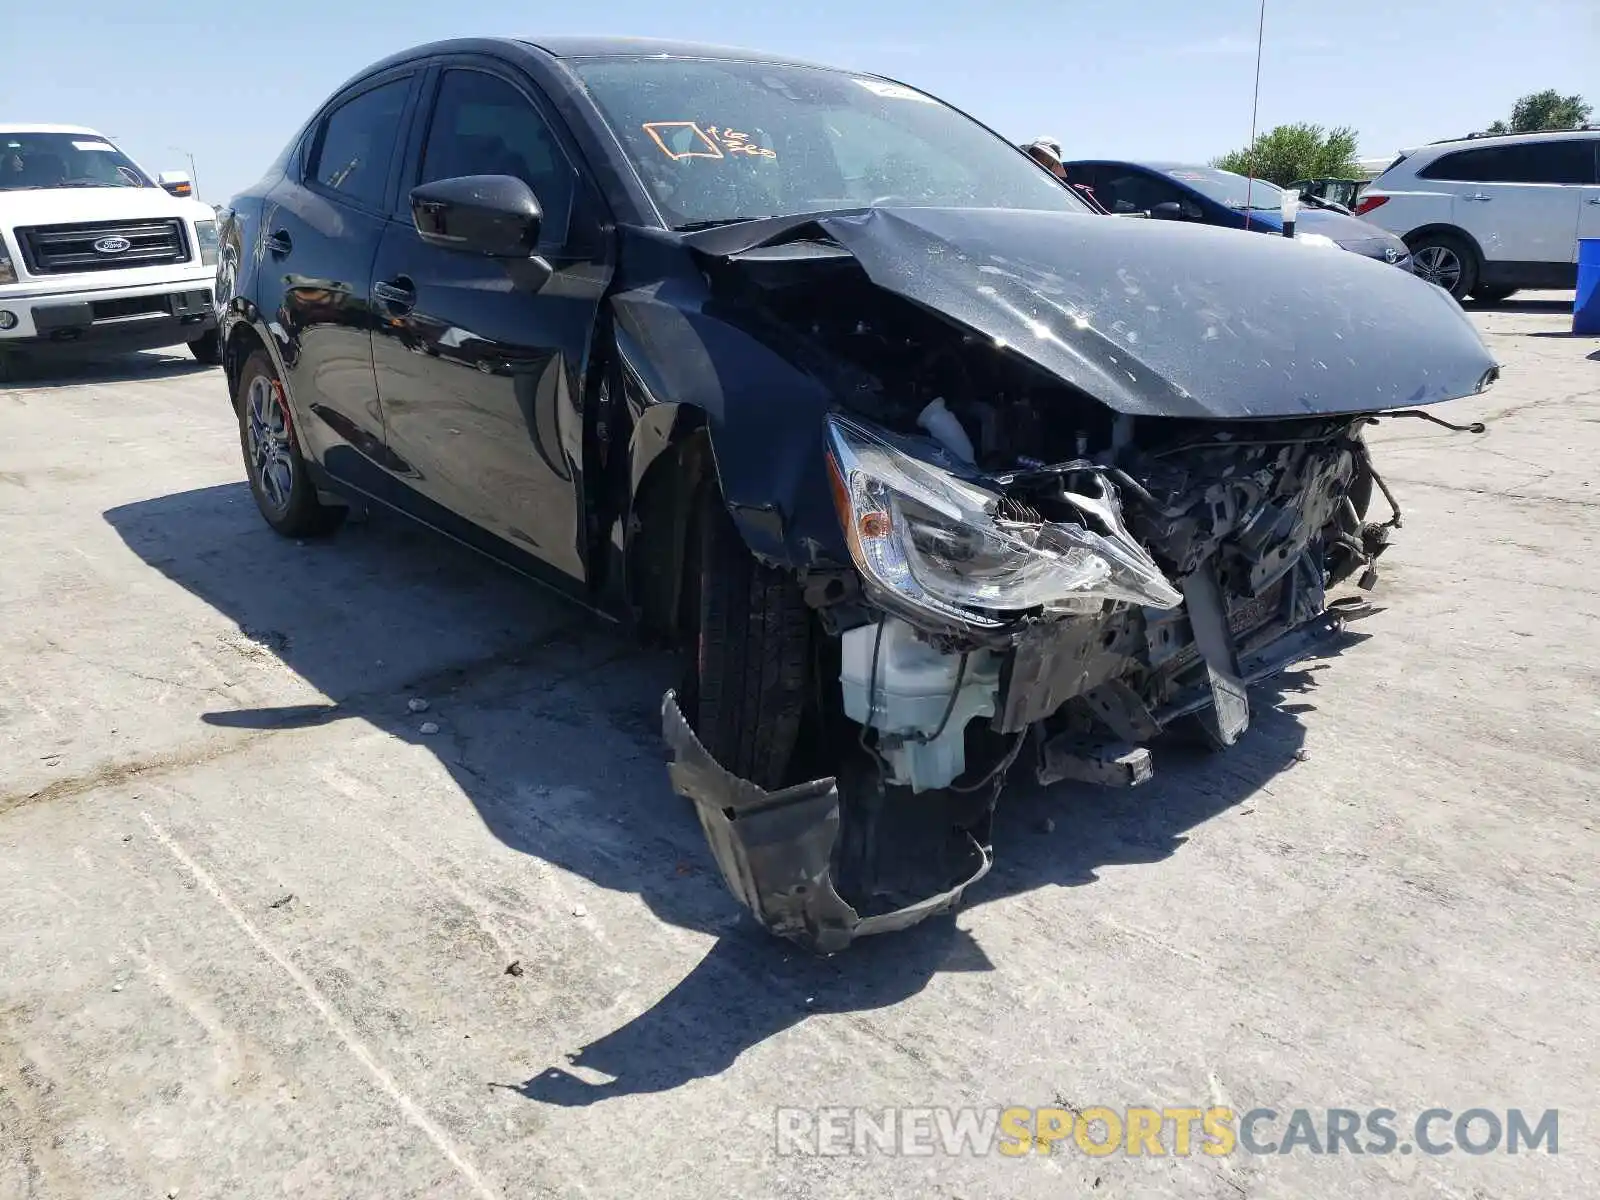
935, 475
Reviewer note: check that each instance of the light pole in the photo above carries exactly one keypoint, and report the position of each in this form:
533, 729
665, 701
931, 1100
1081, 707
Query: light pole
194, 176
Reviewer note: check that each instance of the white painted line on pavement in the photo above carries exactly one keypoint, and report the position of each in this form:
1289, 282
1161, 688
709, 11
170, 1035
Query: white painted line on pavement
406, 1104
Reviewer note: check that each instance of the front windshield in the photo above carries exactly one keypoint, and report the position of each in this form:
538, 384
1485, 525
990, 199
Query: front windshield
1229, 189
53, 160
716, 141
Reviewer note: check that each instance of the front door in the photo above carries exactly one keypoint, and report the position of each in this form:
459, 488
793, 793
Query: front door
1589, 198
321, 228
480, 361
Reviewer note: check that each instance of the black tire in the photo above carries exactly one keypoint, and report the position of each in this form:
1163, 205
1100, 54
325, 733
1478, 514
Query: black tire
748, 665
1485, 294
288, 501
207, 348
1446, 260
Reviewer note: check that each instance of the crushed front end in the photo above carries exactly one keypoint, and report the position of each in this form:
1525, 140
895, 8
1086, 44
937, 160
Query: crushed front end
1047, 568
1051, 617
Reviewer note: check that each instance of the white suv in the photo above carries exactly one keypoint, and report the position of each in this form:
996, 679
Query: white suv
1485, 216
94, 253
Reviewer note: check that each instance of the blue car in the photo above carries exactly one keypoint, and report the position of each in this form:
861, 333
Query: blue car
1178, 192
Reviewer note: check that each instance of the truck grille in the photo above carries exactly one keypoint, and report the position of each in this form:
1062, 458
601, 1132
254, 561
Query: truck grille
101, 246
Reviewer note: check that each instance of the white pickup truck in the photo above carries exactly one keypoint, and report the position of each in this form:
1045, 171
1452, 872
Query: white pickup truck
95, 254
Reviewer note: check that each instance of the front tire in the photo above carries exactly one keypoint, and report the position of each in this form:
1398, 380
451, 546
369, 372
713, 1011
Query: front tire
207, 348
1446, 261
750, 653
279, 480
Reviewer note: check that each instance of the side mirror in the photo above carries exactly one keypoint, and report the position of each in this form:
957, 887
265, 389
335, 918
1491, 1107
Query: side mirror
1169, 210
494, 215
177, 183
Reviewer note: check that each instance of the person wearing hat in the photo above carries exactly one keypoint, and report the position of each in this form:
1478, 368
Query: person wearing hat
1047, 153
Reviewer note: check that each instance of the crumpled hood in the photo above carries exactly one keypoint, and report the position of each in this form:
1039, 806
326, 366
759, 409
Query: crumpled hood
1156, 318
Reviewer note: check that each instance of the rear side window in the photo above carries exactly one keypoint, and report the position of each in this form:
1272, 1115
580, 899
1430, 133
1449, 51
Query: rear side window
1568, 160
358, 140
482, 125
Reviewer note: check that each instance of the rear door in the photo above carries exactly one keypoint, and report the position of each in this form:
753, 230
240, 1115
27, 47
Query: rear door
320, 228
1519, 201
481, 361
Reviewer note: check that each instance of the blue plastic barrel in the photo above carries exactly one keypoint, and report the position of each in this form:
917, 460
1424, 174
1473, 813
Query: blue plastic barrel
1586, 304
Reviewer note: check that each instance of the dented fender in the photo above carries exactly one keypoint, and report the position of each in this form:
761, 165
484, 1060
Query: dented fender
763, 418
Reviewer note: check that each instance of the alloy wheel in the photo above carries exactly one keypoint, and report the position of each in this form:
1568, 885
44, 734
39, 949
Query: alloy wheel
267, 430
1439, 265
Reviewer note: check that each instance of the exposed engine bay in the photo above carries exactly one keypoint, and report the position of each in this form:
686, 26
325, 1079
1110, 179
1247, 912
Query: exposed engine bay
1040, 584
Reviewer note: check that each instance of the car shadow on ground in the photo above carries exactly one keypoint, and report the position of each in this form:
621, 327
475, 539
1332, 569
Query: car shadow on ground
39, 373
550, 727
1514, 305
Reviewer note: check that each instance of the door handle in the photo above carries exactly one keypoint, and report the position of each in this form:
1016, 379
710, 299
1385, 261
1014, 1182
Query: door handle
398, 295
279, 243
1478, 196
1594, 199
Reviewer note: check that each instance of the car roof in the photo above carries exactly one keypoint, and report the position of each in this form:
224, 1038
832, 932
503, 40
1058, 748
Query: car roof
1149, 165
573, 46
577, 46
1500, 139
19, 127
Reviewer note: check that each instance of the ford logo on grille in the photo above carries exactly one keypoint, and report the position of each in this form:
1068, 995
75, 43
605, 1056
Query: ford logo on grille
112, 245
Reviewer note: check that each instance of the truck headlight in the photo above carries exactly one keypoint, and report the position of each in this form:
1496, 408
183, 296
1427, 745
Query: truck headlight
939, 544
8, 273
205, 235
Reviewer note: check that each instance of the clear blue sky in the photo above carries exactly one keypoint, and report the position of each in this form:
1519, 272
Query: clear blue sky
230, 82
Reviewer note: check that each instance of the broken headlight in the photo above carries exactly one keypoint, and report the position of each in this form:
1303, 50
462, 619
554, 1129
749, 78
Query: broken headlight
940, 544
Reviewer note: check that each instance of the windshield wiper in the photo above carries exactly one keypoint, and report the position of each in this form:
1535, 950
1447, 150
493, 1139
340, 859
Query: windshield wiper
717, 223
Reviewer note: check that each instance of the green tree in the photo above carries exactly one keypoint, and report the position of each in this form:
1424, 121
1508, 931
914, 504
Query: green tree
1548, 109
1292, 152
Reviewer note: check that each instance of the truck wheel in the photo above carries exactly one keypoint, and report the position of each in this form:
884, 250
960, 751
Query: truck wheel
278, 477
207, 348
749, 655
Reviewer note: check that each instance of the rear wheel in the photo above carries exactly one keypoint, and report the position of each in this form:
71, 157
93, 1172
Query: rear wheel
207, 348
748, 659
1447, 261
278, 477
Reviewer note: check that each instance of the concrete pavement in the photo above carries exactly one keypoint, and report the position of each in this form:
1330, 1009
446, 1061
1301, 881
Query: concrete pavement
255, 925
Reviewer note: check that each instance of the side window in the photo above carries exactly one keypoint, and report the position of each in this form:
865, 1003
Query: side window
358, 140
1566, 160
482, 125
1465, 166
1134, 191
1087, 175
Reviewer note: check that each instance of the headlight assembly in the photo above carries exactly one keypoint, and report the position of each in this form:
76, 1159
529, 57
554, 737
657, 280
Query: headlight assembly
205, 233
941, 545
8, 273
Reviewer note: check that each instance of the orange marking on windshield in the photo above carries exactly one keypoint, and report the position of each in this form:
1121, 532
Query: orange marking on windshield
686, 139
702, 147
